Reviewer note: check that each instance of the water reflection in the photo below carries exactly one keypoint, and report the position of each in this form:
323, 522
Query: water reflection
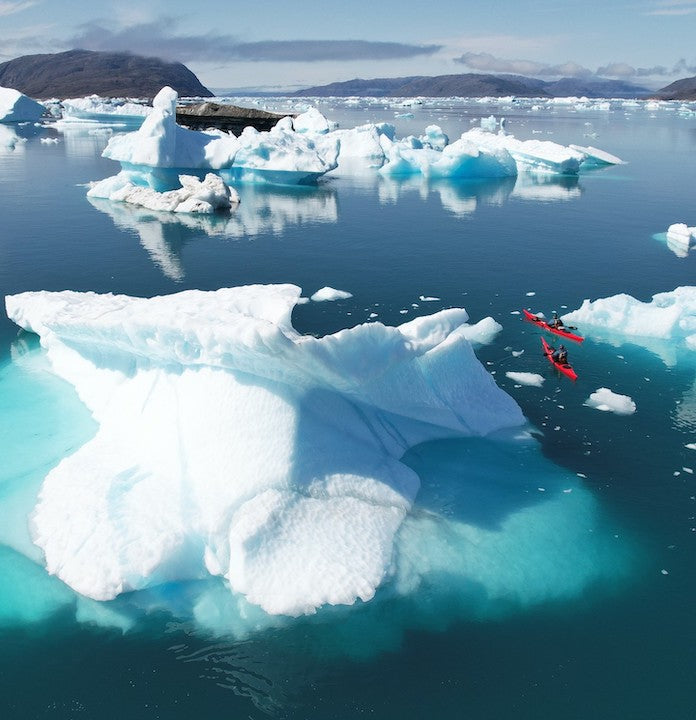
464, 196
261, 210
13, 137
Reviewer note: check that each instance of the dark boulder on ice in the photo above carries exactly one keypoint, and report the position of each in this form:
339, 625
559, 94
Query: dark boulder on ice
77, 73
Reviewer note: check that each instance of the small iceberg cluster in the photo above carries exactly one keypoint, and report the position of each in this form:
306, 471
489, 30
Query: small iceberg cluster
157, 153
195, 196
16, 107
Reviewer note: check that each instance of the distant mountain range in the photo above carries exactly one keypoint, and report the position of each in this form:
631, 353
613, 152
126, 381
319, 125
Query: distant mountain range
477, 85
77, 73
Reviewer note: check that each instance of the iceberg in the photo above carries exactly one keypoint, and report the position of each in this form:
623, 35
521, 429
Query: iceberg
160, 150
609, 401
16, 107
526, 378
195, 196
229, 445
328, 293
668, 316
95, 110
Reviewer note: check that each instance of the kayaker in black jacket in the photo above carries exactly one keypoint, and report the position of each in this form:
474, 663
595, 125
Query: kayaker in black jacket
555, 321
560, 355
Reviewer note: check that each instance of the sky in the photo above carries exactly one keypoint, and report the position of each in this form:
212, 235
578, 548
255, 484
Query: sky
276, 45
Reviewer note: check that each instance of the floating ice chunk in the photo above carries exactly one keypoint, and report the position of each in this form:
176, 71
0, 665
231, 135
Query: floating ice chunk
16, 107
434, 138
593, 157
608, 401
228, 444
195, 196
329, 293
690, 446
490, 123
526, 378
670, 316
530, 155
681, 234
108, 111
428, 298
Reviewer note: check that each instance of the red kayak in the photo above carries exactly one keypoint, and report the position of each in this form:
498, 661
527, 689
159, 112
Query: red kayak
543, 324
566, 369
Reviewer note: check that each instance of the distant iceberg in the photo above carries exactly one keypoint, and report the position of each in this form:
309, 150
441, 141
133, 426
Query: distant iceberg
96, 110
230, 445
16, 107
160, 150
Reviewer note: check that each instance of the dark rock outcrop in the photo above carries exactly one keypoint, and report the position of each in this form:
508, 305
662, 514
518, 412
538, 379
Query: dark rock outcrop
684, 89
77, 73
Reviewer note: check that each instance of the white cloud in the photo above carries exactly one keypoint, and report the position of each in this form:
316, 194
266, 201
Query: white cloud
9, 8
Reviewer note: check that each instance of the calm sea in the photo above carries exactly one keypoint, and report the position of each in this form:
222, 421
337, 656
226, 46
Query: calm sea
547, 624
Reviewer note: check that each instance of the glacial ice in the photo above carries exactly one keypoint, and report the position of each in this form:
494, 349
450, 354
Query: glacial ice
96, 110
195, 196
329, 293
160, 150
609, 401
668, 316
16, 107
230, 445
526, 378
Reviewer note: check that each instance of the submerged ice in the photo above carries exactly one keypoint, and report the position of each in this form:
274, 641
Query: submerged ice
230, 445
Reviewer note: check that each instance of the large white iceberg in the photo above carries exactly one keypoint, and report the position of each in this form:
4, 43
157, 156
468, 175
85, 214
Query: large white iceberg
228, 444
16, 107
160, 150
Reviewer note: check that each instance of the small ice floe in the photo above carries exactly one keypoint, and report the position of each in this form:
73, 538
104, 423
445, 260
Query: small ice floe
568, 490
531, 293
582, 475
688, 470
608, 401
50, 141
403, 312
328, 293
526, 378
517, 353
664, 572
541, 489
690, 446
372, 315
515, 312
427, 298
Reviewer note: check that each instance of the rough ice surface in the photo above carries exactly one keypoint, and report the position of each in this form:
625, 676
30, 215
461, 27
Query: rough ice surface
329, 293
609, 401
16, 107
526, 378
195, 196
230, 445
681, 233
668, 316
280, 155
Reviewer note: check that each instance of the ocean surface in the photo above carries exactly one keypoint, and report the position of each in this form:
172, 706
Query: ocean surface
576, 610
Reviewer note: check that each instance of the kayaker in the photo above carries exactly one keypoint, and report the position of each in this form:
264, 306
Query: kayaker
560, 355
555, 321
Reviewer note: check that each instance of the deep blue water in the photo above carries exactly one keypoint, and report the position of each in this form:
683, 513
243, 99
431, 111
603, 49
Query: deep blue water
621, 647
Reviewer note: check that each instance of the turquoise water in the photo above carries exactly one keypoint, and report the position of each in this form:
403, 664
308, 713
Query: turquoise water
546, 602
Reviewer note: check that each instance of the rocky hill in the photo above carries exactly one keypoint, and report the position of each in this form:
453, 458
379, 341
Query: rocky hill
477, 85
77, 73
684, 89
